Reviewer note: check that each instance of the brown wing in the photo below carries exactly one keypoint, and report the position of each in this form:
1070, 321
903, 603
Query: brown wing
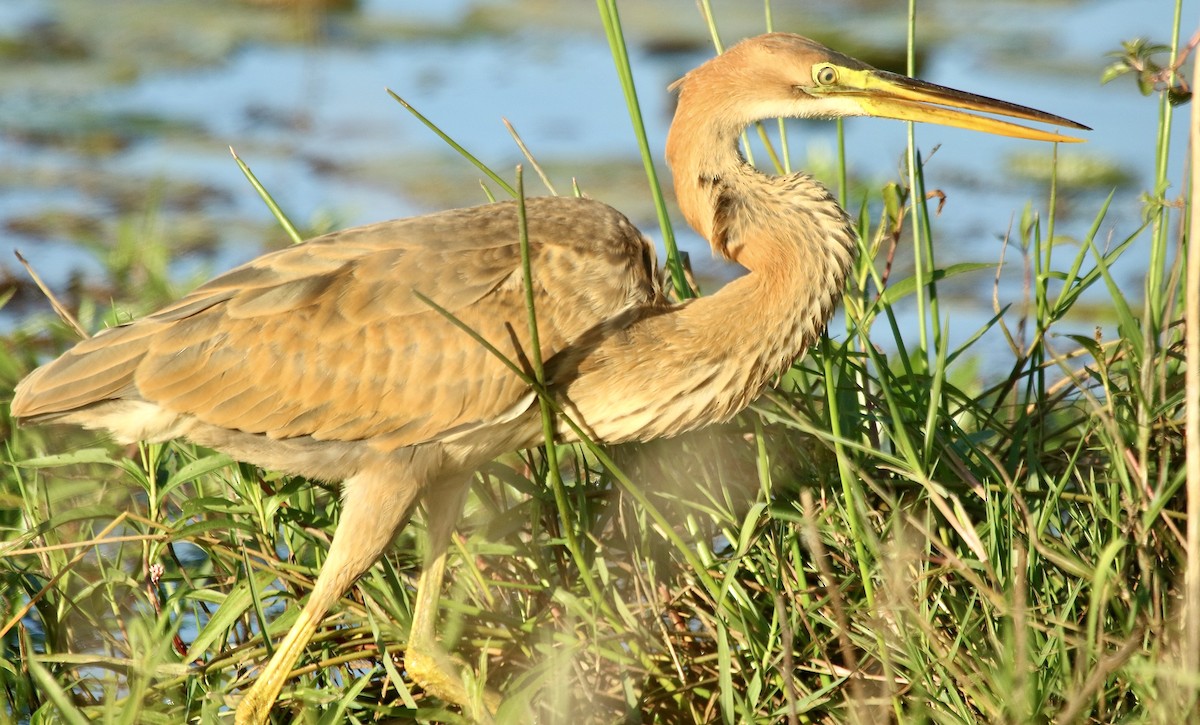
329, 339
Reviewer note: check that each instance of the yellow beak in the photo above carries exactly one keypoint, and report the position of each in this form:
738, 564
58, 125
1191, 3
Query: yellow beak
889, 95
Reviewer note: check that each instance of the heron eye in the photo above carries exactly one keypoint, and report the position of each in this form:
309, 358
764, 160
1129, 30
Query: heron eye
826, 75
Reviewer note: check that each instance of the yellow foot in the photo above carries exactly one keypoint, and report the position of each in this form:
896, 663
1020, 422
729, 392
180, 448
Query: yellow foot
438, 675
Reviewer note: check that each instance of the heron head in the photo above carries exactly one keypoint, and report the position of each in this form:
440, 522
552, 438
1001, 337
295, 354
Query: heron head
784, 75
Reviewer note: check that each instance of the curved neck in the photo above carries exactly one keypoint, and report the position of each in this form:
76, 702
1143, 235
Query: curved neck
798, 245
762, 222
788, 231
703, 154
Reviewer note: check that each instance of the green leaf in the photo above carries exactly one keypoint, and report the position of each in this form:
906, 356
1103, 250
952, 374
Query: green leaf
1127, 324
1114, 71
749, 527
902, 288
50, 689
193, 530
232, 608
725, 673
196, 469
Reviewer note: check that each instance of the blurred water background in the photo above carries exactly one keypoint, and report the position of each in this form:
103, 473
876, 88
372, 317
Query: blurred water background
116, 118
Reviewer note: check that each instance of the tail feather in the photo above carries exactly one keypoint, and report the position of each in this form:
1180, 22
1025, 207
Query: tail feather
96, 370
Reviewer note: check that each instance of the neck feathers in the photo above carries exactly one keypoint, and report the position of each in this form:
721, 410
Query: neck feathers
788, 231
747, 216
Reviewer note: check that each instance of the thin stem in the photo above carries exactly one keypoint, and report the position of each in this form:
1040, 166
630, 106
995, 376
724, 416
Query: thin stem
620, 54
920, 262
268, 199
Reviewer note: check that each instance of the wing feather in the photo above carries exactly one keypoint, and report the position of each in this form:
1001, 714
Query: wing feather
331, 339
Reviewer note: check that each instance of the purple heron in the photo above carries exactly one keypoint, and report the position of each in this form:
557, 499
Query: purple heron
326, 359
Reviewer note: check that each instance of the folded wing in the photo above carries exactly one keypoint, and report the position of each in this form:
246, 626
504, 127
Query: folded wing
332, 340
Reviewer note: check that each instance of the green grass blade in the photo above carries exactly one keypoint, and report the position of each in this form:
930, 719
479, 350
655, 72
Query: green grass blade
268, 199
508, 188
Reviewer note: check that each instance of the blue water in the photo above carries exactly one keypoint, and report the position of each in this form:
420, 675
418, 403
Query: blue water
314, 122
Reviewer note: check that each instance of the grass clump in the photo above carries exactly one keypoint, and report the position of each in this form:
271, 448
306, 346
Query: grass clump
886, 536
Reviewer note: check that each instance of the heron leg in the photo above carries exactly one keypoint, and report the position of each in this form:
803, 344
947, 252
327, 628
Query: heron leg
427, 663
376, 505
